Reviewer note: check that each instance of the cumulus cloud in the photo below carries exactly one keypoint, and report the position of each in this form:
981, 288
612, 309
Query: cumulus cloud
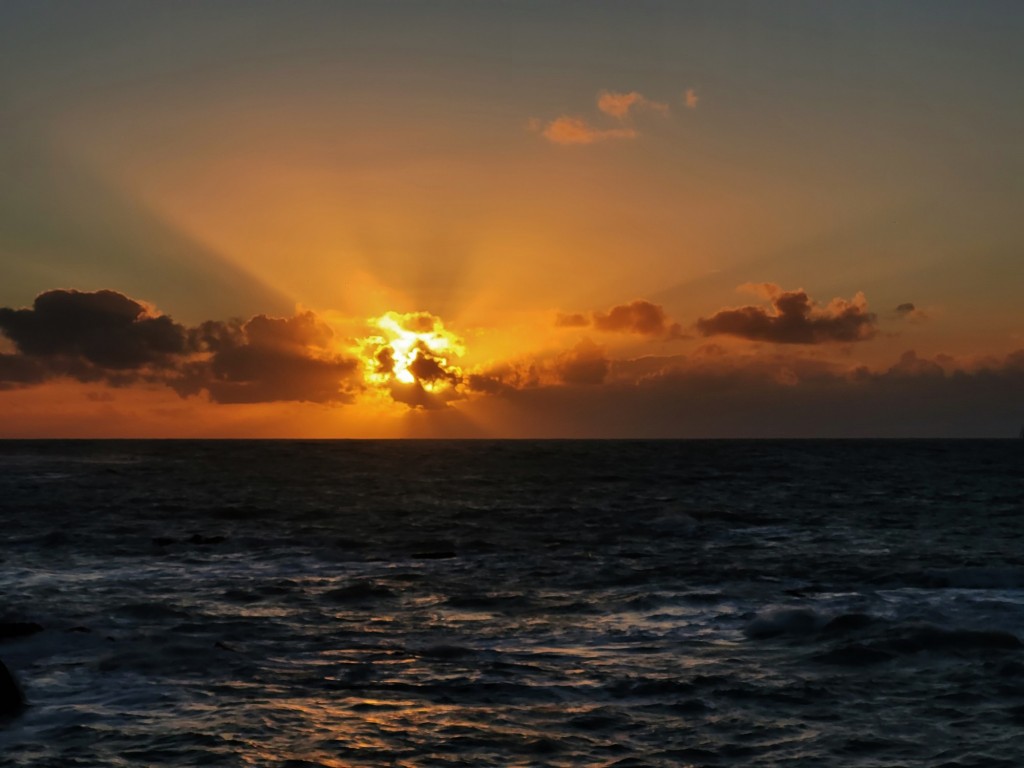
690, 98
639, 317
105, 328
105, 336
619, 105
567, 130
793, 318
267, 359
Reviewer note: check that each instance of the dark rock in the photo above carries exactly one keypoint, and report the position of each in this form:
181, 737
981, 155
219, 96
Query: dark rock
12, 702
12, 629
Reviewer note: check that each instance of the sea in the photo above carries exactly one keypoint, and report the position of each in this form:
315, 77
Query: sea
513, 603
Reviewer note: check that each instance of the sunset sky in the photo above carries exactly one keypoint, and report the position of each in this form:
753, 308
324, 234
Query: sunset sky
523, 219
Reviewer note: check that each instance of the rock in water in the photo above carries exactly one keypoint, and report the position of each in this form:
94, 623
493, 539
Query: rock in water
11, 699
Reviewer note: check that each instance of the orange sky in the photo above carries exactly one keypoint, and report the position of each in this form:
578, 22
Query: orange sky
667, 219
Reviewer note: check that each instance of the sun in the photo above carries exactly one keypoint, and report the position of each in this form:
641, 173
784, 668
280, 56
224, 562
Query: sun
413, 357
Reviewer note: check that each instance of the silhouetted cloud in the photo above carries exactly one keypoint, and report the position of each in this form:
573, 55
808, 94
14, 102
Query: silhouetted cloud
772, 396
639, 317
21, 371
575, 130
267, 359
104, 328
911, 313
794, 318
619, 105
107, 336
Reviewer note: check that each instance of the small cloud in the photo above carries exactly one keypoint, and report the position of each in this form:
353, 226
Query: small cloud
690, 98
639, 317
911, 313
793, 318
575, 130
619, 105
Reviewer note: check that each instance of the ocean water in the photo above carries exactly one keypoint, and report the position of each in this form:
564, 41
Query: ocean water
692, 603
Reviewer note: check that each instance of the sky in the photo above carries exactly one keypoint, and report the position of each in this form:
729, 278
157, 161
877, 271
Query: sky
528, 219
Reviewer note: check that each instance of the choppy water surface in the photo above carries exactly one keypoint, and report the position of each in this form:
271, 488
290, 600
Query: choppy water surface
515, 603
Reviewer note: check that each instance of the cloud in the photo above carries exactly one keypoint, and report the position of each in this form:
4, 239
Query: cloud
639, 317
793, 318
267, 359
690, 98
912, 366
104, 328
780, 395
619, 105
585, 364
568, 130
105, 336
911, 313
20, 371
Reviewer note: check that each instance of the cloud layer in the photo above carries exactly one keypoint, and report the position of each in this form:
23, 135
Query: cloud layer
791, 390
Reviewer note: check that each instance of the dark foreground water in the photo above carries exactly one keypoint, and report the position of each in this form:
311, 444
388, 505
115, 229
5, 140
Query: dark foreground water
515, 603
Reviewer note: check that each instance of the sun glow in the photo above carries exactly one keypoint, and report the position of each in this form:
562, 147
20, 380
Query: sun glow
414, 357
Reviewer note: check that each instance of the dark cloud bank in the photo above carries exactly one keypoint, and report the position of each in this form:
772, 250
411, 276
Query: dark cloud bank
778, 396
108, 337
